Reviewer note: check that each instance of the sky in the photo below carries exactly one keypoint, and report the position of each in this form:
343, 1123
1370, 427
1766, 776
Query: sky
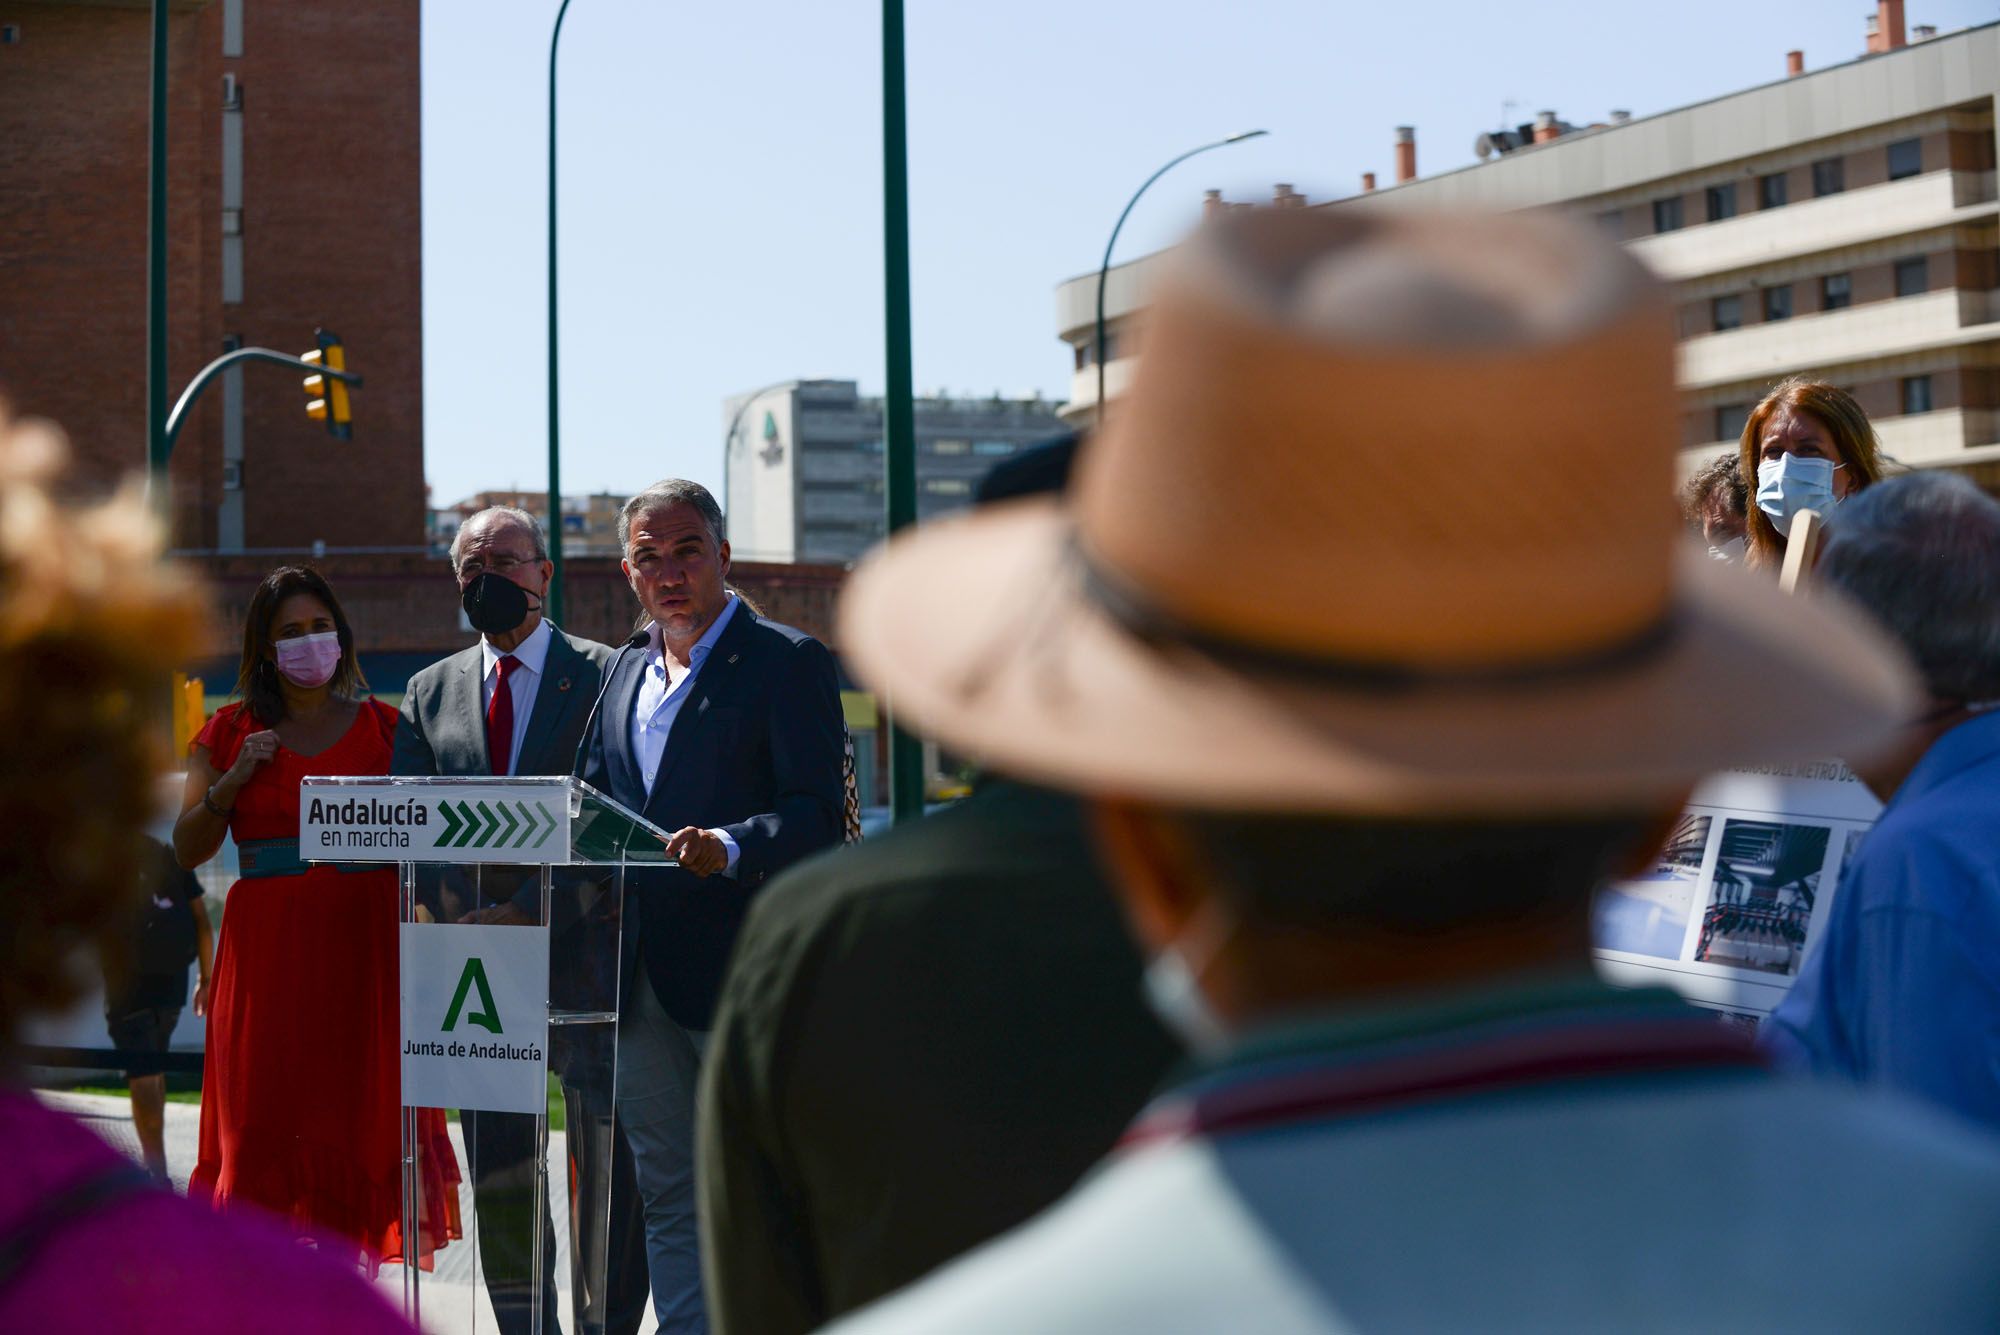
720, 181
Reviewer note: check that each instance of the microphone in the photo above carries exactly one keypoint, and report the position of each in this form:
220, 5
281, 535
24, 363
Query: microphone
632, 641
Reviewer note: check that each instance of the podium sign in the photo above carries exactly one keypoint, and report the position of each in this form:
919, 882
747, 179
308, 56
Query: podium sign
475, 1017
511, 931
478, 822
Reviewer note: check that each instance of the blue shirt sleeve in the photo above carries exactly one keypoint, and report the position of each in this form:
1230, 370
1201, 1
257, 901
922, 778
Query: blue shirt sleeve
1905, 988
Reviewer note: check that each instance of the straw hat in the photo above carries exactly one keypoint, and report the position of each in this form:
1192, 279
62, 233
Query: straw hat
1385, 523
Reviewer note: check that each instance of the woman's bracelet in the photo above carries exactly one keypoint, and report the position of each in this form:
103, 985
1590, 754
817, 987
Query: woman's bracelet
208, 800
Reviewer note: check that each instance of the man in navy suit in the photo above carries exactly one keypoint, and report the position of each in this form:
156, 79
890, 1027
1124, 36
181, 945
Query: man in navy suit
725, 729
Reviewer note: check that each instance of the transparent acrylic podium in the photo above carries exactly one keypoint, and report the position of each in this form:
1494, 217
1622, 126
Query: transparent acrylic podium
513, 893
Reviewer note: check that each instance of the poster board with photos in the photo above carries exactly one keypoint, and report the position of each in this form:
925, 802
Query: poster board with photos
1741, 890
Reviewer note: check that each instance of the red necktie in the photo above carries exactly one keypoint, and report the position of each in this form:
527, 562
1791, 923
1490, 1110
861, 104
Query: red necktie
500, 717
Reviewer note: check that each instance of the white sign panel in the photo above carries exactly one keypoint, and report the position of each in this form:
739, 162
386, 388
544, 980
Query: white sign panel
1741, 890
475, 1017
458, 822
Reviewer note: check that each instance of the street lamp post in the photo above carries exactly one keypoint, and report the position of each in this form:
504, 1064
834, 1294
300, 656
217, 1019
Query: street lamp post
1105, 268
906, 752
555, 596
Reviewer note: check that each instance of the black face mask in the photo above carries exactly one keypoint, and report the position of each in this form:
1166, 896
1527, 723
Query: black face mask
494, 604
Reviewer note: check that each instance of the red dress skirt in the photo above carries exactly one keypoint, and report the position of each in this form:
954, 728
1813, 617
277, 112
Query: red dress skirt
301, 1104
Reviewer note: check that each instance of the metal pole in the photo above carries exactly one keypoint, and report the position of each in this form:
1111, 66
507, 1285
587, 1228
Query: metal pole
555, 595
1097, 348
906, 753
156, 276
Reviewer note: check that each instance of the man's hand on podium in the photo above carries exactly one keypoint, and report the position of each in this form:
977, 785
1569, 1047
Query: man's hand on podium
698, 851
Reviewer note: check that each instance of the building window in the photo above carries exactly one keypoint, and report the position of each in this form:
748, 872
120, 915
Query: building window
1086, 351
1721, 202
1916, 394
1778, 302
1729, 420
1906, 158
1771, 191
1828, 177
1667, 214
948, 486
1836, 292
993, 447
1913, 277
1726, 313
950, 446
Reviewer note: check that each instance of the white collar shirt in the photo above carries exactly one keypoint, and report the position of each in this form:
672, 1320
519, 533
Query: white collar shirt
532, 655
664, 686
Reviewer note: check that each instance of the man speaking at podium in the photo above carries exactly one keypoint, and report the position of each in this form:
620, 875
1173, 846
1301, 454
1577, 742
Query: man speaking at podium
725, 729
516, 703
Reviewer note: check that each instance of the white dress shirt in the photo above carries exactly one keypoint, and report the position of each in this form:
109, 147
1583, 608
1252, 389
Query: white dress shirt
664, 686
532, 656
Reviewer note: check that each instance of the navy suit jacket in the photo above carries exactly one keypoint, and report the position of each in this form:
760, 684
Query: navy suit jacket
755, 750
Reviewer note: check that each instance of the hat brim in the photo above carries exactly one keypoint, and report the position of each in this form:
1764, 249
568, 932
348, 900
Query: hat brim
980, 634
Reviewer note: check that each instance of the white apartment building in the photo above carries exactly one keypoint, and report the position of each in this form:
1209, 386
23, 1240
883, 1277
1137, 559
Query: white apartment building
1842, 222
803, 463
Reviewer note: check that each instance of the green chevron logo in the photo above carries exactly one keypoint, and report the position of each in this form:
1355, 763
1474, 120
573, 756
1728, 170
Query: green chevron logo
479, 825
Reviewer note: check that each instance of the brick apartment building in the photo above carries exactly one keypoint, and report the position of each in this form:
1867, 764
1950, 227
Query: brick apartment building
293, 201
1842, 222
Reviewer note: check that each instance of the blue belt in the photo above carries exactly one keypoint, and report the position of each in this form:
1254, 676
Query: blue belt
280, 857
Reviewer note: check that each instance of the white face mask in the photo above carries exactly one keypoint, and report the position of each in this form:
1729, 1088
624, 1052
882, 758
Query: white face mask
1791, 483
1730, 551
1173, 993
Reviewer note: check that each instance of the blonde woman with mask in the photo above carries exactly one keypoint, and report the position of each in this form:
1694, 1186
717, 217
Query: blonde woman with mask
1806, 446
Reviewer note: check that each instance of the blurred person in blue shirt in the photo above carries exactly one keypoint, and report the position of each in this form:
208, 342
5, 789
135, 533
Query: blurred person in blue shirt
1904, 987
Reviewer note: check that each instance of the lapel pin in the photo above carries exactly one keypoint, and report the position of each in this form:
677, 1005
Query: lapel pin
563, 684
732, 658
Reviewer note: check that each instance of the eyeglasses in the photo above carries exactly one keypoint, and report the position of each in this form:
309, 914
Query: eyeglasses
500, 564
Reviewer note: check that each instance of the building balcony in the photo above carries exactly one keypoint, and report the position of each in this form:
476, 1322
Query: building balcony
1081, 410
1765, 352
1873, 213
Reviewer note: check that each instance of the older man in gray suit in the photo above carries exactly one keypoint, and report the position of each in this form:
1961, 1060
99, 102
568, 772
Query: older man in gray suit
516, 703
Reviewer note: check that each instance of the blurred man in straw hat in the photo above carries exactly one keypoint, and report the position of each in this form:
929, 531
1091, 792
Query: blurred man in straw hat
1368, 632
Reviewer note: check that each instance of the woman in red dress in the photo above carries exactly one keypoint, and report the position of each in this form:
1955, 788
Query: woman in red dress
300, 1109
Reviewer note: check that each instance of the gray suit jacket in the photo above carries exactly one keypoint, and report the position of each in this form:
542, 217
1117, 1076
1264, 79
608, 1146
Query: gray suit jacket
443, 728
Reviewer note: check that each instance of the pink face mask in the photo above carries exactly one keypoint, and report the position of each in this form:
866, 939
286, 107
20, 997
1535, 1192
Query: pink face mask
309, 660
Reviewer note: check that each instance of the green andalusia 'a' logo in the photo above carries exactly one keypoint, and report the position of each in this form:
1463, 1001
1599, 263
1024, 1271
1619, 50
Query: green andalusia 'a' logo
487, 1017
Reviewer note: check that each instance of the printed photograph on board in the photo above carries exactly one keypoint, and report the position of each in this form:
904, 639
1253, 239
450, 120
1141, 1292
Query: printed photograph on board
1761, 895
1648, 915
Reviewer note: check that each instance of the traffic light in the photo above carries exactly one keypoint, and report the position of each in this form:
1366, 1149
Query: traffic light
328, 394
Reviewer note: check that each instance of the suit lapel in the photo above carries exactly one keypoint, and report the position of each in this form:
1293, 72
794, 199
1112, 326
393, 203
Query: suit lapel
462, 701
614, 721
555, 695
716, 672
